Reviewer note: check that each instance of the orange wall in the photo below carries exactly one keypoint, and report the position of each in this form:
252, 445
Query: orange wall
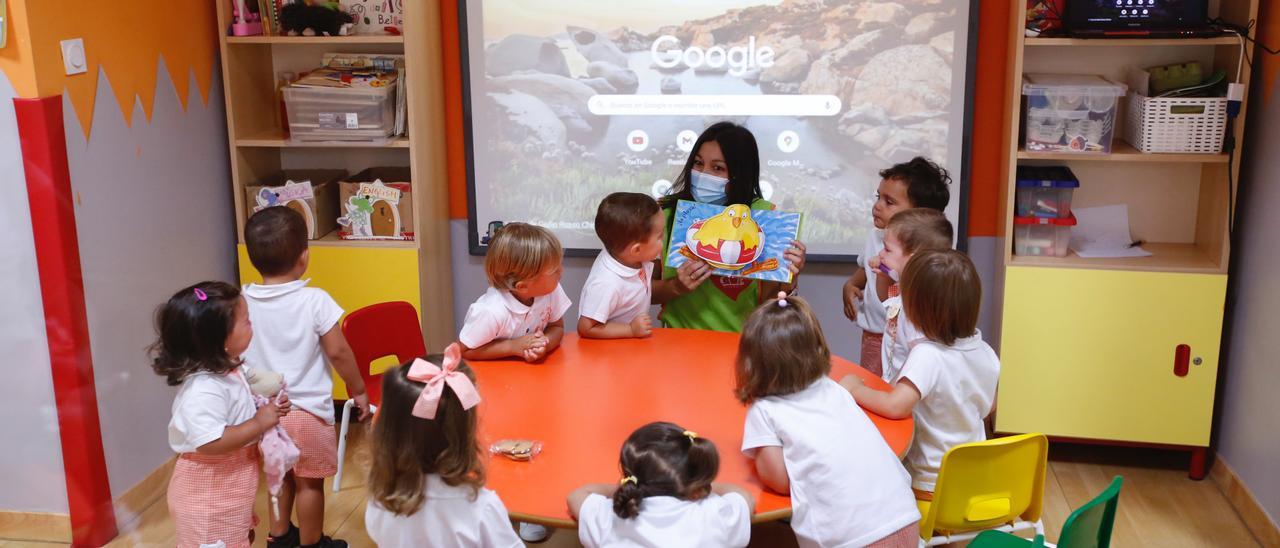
126, 43
989, 111
1269, 34
990, 100
455, 151
15, 57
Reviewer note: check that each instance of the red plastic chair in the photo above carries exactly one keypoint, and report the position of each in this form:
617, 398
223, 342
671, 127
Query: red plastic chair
374, 332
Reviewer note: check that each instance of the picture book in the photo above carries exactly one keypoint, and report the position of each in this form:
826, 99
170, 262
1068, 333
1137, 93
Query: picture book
735, 240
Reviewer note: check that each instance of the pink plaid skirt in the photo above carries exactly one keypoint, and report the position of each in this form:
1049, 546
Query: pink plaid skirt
317, 443
211, 497
906, 537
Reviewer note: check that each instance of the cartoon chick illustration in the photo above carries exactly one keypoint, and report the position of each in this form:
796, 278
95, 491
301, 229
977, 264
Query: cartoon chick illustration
729, 240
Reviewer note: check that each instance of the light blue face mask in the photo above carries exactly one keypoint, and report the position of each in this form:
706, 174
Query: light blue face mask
708, 188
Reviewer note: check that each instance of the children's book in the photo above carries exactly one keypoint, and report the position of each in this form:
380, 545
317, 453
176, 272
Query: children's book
735, 240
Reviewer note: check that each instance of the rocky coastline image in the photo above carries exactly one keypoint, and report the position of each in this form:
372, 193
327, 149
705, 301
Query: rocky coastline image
890, 64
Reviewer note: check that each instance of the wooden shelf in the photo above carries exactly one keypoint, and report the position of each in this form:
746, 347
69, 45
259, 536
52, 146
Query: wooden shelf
279, 141
1187, 258
330, 40
1134, 42
1123, 152
331, 240
417, 271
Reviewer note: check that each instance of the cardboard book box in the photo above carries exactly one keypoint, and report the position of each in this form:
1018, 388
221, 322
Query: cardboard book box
313, 193
377, 204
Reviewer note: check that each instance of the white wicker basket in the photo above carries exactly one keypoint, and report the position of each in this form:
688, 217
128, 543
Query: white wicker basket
1178, 124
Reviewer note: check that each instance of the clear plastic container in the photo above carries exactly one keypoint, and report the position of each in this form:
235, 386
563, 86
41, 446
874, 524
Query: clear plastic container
1038, 236
1044, 191
340, 114
1070, 112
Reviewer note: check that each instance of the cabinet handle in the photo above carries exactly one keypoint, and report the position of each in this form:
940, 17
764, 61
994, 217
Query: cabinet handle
1181, 360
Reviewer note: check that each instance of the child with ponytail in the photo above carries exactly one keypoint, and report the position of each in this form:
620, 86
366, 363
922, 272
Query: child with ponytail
667, 496
810, 440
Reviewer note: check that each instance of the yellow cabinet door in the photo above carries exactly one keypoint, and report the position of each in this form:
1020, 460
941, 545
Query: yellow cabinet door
1090, 354
355, 277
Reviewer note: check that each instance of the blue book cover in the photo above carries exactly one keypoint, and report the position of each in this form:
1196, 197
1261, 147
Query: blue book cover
735, 240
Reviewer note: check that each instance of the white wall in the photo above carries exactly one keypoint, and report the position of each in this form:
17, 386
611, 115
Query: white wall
153, 215
1247, 438
31, 465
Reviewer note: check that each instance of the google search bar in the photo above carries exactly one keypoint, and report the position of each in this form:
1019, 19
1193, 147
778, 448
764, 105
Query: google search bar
714, 105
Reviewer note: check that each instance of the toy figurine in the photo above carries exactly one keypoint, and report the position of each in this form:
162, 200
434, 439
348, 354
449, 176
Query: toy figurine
305, 18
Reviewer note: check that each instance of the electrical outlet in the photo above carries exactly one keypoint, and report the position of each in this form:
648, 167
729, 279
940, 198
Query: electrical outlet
73, 57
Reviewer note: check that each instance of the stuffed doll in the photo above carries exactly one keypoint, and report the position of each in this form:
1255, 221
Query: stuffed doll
304, 18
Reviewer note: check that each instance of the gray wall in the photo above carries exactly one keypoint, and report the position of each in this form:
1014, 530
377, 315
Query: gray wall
1247, 436
154, 214
31, 465
821, 284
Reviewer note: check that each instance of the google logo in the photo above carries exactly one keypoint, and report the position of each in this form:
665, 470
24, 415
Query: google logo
740, 59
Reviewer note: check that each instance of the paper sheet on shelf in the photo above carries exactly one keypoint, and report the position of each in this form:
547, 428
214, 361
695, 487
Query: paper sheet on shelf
1103, 232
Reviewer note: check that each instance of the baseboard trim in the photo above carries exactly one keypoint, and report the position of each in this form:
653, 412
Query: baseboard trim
35, 527
50, 527
1255, 518
130, 506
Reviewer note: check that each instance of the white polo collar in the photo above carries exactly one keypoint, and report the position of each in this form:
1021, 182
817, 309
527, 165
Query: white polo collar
618, 268
513, 304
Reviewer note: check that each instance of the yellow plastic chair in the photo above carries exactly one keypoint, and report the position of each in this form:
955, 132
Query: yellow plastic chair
995, 484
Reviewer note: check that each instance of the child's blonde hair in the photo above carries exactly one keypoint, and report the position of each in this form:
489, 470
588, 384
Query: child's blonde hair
520, 251
782, 350
921, 229
941, 293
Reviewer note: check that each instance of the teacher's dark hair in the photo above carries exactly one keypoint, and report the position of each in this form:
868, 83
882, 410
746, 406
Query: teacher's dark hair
741, 157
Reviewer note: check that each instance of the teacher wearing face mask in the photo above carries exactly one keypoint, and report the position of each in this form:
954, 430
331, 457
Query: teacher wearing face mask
724, 169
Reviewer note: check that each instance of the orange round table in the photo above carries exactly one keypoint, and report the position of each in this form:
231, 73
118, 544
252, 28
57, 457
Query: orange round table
589, 395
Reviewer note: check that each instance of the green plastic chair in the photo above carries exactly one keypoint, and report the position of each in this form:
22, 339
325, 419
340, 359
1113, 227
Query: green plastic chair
1089, 526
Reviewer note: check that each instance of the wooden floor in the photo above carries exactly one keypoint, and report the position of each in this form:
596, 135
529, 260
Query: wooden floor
1159, 506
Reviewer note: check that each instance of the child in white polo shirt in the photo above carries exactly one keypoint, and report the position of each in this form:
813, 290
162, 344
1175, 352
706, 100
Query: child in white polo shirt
948, 383
522, 313
810, 440
668, 496
298, 336
616, 298
908, 232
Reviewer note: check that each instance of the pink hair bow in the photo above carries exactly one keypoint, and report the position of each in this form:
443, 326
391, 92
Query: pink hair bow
435, 378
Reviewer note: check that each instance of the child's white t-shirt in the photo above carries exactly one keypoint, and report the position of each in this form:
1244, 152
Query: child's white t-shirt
870, 310
206, 404
896, 346
847, 486
715, 521
957, 387
288, 320
615, 292
498, 315
448, 517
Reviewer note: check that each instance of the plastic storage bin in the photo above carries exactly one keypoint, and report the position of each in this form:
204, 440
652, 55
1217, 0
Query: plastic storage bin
340, 114
1044, 191
1038, 236
1176, 124
1070, 112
